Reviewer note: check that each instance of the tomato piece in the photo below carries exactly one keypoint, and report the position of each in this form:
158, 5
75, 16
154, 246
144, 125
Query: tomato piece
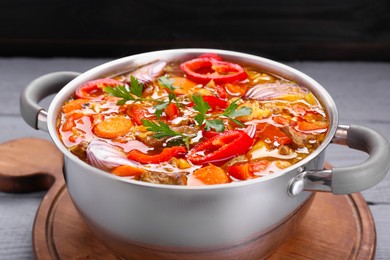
240, 172
70, 121
247, 171
137, 112
215, 103
211, 174
220, 147
172, 111
266, 130
164, 156
204, 69
93, 89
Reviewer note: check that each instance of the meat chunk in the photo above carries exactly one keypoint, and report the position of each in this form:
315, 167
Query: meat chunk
176, 178
299, 139
80, 150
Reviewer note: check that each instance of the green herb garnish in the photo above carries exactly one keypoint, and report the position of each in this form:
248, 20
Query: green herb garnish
201, 106
134, 93
230, 112
162, 130
168, 84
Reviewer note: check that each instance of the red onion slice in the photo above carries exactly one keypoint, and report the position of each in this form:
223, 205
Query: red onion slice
273, 91
250, 130
149, 72
104, 156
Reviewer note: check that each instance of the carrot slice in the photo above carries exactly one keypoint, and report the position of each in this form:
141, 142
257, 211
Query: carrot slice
113, 127
212, 174
127, 170
311, 126
75, 104
184, 85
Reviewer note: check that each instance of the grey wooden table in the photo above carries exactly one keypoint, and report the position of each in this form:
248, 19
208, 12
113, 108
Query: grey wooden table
361, 91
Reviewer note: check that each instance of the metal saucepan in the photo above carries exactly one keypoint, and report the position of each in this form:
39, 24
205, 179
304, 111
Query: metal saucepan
187, 220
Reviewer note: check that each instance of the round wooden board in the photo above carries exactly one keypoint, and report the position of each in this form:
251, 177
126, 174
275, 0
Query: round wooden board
335, 227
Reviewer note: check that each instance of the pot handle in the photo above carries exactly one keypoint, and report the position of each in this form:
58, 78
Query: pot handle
346, 180
38, 89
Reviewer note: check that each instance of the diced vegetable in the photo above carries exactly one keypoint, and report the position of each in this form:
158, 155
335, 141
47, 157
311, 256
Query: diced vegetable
137, 112
247, 170
70, 121
212, 174
75, 104
272, 132
308, 126
183, 85
172, 111
127, 170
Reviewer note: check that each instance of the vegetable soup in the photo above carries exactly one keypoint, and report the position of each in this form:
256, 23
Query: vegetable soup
202, 121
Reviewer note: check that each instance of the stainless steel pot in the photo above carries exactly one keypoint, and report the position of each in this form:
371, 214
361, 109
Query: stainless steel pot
201, 219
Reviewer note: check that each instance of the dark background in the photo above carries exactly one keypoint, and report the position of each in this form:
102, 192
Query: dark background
278, 29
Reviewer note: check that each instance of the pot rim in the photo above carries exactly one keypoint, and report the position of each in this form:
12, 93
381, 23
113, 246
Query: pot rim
281, 70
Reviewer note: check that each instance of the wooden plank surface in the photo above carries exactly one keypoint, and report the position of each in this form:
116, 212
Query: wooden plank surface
361, 91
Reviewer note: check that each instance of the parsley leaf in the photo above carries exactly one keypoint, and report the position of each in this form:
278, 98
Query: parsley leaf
201, 106
163, 130
159, 109
231, 112
135, 89
168, 84
119, 91
160, 129
217, 124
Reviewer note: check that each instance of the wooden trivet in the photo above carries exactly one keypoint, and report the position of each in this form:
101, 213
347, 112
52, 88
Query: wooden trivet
336, 227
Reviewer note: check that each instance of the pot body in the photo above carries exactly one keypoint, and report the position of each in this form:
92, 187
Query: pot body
183, 219
199, 219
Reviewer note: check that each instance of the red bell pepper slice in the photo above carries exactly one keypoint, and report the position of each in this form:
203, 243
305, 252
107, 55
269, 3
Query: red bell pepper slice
93, 89
209, 134
137, 112
215, 102
164, 156
220, 147
202, 70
